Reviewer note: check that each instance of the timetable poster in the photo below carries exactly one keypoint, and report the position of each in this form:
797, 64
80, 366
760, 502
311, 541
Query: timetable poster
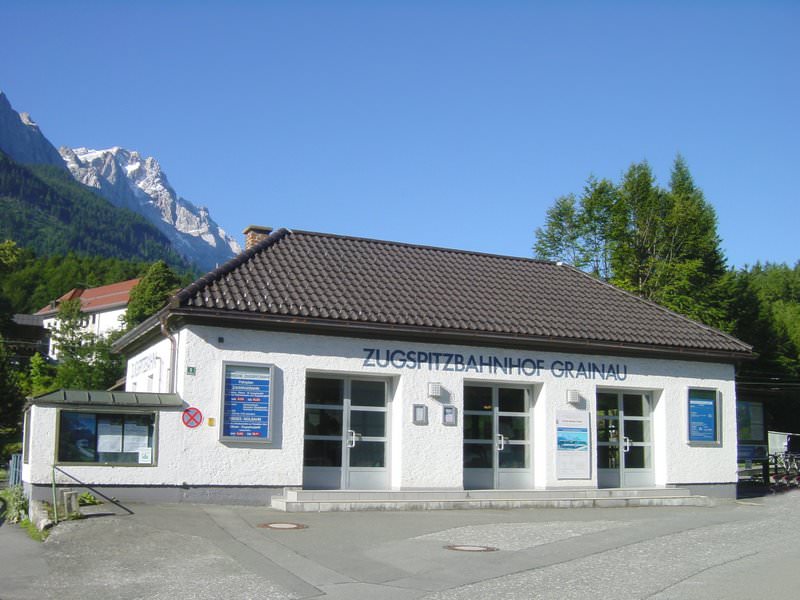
248, 403
702, 416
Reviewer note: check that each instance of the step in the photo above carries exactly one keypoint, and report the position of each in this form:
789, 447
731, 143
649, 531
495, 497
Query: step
295, 500
299, 495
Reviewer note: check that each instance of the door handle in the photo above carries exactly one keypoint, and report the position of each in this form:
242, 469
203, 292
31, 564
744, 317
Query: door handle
626, 444
352, 438
501, 442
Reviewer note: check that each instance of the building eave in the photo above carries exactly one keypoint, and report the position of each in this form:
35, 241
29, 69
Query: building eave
178, 317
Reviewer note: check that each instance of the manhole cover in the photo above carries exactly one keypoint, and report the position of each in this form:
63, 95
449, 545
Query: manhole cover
465, 548
282, 526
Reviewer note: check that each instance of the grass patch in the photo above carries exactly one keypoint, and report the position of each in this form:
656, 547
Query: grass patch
33, 532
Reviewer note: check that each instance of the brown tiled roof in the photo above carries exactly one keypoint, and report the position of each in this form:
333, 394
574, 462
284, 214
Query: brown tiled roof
307, 277
96, 299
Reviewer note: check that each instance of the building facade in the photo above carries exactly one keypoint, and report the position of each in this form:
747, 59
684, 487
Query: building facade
104, 308
329, 362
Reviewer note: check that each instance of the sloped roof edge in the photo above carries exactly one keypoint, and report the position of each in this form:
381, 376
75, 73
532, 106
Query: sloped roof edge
104, 398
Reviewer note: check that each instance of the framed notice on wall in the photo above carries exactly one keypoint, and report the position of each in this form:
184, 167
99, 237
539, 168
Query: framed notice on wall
573, 458
247, 405
703, 417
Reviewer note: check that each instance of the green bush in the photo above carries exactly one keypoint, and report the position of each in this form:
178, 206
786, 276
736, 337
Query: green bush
6, 450
16, 504
87, 499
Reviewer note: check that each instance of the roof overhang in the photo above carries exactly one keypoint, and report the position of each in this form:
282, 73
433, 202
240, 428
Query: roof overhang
106, 399
176, 318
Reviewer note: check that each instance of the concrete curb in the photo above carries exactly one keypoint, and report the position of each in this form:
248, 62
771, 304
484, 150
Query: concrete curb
38, 515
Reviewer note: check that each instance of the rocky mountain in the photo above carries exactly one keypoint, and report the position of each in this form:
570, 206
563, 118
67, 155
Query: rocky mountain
45, 210
21, 139
127, 180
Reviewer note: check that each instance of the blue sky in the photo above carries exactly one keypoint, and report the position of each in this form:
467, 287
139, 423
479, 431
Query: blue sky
444, 123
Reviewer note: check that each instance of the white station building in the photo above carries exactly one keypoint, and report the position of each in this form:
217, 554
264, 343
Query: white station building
326, 362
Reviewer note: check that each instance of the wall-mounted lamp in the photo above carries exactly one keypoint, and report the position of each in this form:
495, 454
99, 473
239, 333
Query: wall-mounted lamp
573, 397
449, 416
420, 416
434, 390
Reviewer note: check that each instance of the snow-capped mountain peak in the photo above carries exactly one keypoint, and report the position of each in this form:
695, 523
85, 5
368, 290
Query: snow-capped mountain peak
128, 179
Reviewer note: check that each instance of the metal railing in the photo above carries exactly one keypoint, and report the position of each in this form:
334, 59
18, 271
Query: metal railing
15, 470
94, 490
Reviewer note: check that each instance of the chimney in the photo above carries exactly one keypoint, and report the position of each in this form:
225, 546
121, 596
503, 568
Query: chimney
254, 234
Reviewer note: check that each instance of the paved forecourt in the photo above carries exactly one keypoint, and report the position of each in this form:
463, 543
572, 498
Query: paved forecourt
732, 550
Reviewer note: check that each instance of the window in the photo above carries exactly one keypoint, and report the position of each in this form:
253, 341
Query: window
704, 416
107, 438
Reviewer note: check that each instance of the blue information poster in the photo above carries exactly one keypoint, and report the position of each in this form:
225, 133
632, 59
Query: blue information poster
247, 404
702, 416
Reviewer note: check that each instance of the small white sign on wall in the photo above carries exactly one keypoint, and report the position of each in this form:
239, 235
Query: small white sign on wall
573, 456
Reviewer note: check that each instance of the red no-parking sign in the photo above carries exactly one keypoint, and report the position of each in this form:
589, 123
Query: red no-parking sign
192, 417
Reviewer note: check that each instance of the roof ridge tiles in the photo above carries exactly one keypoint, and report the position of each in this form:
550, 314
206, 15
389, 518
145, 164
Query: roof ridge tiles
420, 246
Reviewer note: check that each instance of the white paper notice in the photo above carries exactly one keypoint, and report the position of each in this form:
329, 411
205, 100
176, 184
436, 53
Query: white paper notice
136, 436
109, 434
145, 456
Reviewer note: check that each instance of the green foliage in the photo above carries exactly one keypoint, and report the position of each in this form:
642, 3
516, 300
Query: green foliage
36, 281
561, 237
660, 244
10, 443
151, 293
41, 376
764, 310
11, 397
87, 499
85, 360
16, 504
45, 209
9, 255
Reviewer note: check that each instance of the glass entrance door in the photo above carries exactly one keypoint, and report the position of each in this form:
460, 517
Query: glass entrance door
496, 437
624, 440
345, 434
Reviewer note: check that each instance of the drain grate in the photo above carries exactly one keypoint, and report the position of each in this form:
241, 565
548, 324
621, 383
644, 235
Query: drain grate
282, 526
466, 548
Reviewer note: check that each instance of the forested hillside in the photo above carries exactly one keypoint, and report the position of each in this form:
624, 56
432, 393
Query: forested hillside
35, 281
45, 210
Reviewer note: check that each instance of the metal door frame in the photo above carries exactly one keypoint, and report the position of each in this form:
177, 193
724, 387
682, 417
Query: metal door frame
500, 475
350, 438
622, 476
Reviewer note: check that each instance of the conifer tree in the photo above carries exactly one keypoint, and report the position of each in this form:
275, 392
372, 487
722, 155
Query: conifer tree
660, 244
151, 294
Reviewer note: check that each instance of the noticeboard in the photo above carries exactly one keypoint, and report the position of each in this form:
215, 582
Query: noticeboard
703, 426
247, 404
573, 456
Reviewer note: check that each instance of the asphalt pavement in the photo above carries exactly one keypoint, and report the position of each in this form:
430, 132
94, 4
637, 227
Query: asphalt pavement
740, 550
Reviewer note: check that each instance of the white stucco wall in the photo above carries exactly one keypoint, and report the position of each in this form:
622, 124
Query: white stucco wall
419, 456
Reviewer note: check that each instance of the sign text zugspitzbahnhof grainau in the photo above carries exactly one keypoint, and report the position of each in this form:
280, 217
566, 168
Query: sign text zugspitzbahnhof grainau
492, 364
